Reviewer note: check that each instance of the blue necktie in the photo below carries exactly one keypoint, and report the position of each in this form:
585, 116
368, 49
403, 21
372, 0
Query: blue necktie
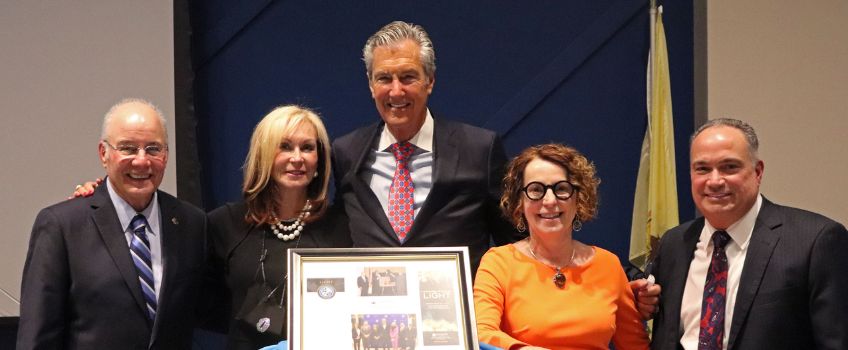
140, 251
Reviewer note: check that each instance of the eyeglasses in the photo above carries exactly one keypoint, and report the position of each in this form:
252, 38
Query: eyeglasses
156, 151
563, 190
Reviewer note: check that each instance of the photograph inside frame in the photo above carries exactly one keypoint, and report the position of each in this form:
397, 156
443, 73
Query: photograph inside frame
366, 303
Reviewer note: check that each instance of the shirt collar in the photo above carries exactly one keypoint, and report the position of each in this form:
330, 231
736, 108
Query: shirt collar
126, 212
423, 139
740, 231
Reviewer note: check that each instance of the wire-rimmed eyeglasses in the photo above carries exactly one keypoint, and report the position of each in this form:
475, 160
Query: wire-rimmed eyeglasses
129, 150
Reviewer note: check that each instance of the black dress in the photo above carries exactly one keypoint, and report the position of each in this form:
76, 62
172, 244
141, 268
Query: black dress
234, 264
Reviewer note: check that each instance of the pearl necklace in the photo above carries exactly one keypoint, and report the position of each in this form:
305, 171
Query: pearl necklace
559, 277
282, 230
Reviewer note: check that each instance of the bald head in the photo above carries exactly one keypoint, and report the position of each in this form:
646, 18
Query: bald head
133, 104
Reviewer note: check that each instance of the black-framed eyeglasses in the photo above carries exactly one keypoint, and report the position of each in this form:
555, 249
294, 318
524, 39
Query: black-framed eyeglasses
562, 190
129, 150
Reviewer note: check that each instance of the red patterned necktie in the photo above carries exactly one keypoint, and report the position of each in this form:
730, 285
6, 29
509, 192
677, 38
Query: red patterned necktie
715, 291
401, 191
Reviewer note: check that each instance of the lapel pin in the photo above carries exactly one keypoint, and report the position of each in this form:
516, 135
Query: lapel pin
175, 221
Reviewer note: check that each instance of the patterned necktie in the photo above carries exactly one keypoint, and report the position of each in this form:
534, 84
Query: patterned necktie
401, 191
711, 334
140, 251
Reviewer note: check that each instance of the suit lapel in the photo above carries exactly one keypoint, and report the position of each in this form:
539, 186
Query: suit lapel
169, 245
367, 198
445, 159
760, 249
680, 273
113, 236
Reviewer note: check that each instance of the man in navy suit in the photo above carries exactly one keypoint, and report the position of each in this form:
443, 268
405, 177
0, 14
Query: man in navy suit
82, 286
780, 279
455, 168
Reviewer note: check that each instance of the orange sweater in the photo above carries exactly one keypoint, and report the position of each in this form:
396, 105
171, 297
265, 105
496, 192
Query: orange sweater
518, 304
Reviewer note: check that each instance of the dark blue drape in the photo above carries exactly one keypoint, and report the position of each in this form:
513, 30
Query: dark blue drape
535, 71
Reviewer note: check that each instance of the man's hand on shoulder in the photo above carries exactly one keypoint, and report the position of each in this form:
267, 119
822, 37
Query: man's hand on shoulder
86, 189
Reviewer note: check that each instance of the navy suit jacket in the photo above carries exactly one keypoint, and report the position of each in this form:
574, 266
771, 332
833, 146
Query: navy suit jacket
793, 292
80, 289
462, 207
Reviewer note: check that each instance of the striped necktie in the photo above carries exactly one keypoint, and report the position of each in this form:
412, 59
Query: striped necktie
140, 251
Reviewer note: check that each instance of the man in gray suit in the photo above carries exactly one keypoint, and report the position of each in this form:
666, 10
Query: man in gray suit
120, 269
750, 274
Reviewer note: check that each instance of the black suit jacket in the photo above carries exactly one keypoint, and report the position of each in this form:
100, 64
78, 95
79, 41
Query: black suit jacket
80, 289
793, 292
462, 207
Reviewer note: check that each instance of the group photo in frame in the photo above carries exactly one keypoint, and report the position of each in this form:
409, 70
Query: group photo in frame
380, 299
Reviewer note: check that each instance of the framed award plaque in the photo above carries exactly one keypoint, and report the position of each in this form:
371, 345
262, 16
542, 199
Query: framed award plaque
373, 298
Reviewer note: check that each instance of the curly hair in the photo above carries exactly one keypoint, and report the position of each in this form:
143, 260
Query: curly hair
579, 170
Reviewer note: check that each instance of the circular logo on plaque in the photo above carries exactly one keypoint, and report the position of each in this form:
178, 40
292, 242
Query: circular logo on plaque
263, 324
326, 291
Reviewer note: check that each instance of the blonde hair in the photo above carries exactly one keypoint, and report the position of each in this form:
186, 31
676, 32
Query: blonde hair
259, 189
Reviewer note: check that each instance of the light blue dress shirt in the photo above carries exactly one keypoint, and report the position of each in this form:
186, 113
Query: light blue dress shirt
154, 218
380, 166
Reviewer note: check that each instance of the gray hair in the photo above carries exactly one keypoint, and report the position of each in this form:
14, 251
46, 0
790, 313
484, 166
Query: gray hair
107, 119
392, 34
746, 129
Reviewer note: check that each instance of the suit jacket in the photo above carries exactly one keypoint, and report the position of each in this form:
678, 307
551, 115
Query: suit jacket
80, 289
793, 292
462, 207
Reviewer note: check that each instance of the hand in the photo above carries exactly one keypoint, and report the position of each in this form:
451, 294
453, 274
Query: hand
86, 189
647, 297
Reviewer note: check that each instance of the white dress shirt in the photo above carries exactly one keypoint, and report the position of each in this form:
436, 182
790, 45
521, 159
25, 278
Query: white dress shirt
693, 294
380, 166
151, 213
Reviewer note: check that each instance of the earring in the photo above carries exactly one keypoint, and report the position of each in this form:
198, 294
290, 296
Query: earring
576, 225
520, 225
315, 175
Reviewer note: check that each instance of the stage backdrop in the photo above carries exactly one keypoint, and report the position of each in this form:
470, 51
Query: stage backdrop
539, 71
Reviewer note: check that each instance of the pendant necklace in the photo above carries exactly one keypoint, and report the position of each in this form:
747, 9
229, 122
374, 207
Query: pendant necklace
559, 277
291, 231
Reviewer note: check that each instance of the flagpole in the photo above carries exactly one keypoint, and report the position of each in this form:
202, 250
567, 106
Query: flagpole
651, 54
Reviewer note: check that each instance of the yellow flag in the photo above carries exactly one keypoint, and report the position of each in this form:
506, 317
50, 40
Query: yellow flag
655, 201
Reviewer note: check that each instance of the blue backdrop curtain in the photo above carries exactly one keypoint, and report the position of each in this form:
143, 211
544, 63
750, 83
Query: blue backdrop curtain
534, 71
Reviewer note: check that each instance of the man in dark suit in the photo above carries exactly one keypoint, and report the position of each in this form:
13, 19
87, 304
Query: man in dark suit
750, 274
362, 283
120, 269
455, 168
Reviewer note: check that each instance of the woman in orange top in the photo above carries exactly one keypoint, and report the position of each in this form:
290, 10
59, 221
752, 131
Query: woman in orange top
550, 291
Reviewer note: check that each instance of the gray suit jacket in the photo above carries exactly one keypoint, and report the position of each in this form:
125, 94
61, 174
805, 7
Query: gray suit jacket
80, 289
793, 292
462, 207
